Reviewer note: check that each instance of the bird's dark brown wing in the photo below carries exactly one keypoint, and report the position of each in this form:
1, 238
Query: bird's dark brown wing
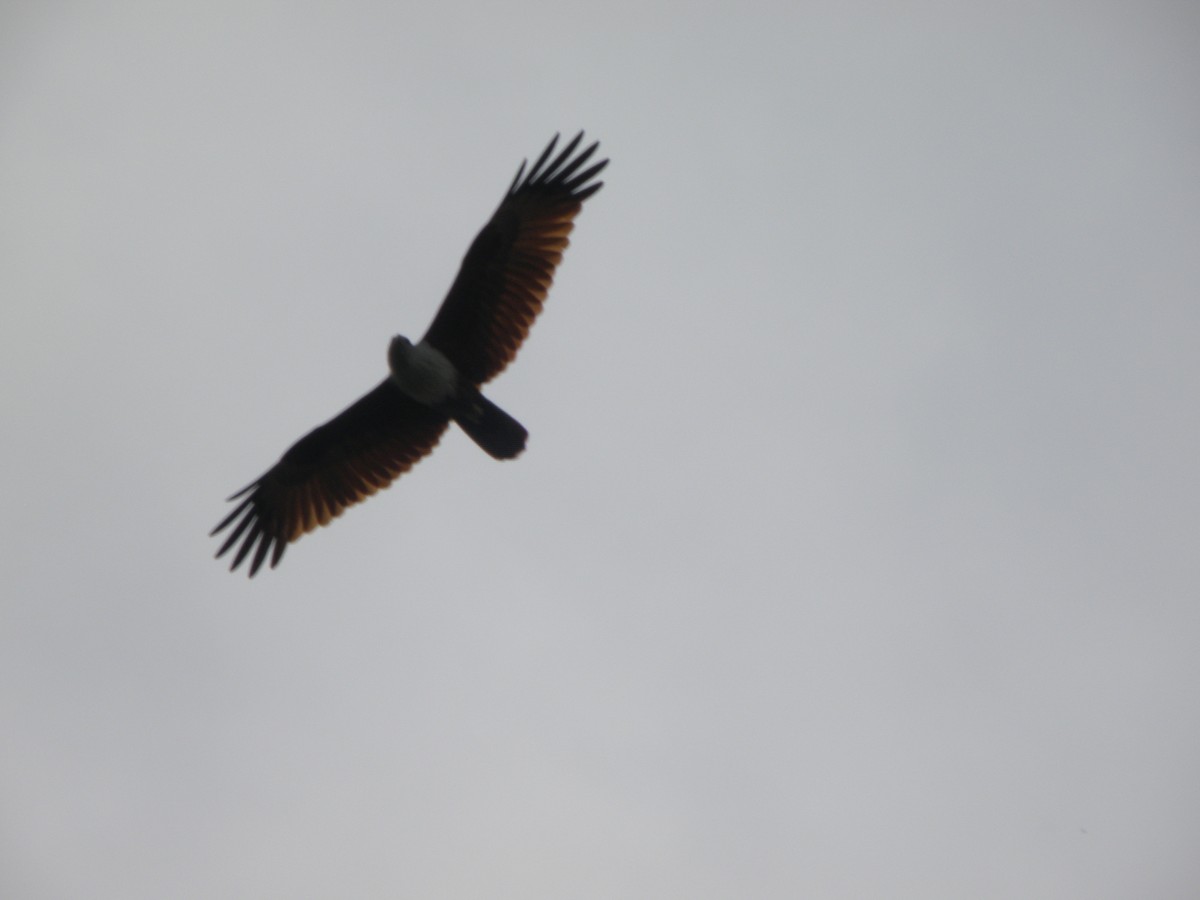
506, 273
350, 457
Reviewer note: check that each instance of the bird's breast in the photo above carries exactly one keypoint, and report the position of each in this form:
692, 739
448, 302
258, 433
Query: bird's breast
425, 374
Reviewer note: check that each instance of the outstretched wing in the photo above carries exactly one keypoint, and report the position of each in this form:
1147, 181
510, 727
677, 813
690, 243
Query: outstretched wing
506, 274
349, 458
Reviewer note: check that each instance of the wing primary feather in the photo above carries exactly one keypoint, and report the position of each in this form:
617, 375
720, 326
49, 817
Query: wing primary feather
264, 547
573, 165
277, 553
233, 515
587, 192
517, 180
551, 172
534, 172
247, 489
247, 545
235, 534
583, 178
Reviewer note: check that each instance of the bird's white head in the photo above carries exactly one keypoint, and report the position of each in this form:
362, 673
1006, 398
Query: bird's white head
421, 371
398, 351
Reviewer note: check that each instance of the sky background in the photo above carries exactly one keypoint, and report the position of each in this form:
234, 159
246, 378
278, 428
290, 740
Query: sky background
854, 553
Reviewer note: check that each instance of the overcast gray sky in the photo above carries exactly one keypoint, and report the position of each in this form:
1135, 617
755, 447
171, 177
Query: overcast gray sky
854, 553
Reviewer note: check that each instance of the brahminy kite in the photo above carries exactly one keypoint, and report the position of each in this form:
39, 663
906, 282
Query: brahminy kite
501, 286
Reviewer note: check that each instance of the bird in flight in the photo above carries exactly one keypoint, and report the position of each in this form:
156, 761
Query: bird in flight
500, 288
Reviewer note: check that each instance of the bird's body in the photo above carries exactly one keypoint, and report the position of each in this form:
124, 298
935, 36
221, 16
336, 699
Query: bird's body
422, 373
499, 290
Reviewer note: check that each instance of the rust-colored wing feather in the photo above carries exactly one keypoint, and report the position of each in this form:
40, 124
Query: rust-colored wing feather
349, 458
506, 273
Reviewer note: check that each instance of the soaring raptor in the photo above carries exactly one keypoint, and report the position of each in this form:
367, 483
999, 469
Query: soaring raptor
499, 290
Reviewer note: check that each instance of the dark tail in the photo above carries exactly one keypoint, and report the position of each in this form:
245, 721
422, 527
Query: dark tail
502, 436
